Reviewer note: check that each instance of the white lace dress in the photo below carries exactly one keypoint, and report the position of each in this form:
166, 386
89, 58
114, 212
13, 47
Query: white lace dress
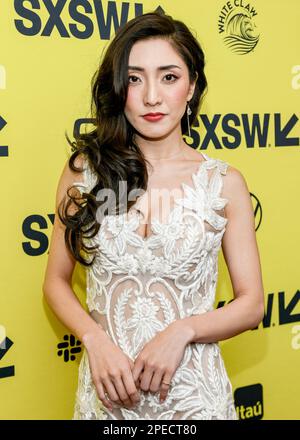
137, 286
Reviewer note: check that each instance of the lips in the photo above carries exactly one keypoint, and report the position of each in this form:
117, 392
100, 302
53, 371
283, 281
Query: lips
153, 116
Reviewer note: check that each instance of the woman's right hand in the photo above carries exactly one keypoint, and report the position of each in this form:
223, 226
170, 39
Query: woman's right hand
111, 370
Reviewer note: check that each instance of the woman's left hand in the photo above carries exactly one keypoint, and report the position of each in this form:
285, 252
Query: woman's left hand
160, 358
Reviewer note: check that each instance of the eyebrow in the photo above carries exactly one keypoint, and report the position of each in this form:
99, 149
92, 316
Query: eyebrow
141, 69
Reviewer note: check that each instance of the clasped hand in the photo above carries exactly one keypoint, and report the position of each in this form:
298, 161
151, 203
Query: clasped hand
159, 359
117, 378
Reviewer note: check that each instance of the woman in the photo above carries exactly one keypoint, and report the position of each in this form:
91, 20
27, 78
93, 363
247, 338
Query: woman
151, 335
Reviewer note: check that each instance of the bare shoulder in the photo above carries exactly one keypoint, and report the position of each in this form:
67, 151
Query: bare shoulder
60, 261
69, 177
234, 184
238, 208
68, 174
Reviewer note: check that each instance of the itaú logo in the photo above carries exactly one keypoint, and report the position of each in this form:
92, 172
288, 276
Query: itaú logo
249, 402
73, 18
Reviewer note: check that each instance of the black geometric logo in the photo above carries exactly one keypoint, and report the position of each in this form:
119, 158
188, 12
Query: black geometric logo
249, 402
9, 370
68, 348
257, 210
3, 148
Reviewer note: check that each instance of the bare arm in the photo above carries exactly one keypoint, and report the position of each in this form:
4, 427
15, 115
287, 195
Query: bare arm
162, 355
242, 258
110, 367
57, 281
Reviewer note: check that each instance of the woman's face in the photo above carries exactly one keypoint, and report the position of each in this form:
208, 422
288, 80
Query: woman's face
158, 83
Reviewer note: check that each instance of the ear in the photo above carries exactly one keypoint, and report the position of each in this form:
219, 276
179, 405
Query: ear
192, 88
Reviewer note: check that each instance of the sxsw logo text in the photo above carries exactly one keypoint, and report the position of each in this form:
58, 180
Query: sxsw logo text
73, 18
252, 130
249, 130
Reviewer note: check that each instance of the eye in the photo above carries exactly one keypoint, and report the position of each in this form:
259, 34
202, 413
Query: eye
132, 76
171, 78
171, 74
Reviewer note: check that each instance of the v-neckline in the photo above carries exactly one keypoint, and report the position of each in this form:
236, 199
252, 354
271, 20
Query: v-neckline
182, 184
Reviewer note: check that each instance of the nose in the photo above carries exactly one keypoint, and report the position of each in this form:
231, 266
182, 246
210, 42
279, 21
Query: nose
152, 93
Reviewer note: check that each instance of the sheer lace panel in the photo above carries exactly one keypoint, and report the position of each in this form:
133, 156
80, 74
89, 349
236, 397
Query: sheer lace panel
138, 285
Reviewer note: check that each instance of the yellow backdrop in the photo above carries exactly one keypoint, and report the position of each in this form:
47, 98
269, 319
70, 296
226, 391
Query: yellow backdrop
249, 118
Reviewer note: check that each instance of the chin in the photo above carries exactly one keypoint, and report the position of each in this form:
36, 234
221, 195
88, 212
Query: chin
154, 135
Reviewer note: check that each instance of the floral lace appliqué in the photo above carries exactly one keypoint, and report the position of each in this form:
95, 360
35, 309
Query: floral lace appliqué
139, 286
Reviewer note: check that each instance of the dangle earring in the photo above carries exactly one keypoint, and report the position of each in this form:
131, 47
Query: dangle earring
188, 112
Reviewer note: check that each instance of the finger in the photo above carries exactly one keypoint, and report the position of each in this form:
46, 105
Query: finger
137, 369
165, 386
131, 388
102, 396
122, 392
111, 391
146, 379
156, 381
131, 363
137, 381
137, 384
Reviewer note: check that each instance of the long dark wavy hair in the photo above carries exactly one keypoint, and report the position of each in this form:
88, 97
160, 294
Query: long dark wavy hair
109, 148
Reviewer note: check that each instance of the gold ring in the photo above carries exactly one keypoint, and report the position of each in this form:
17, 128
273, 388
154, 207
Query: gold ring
166, 383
